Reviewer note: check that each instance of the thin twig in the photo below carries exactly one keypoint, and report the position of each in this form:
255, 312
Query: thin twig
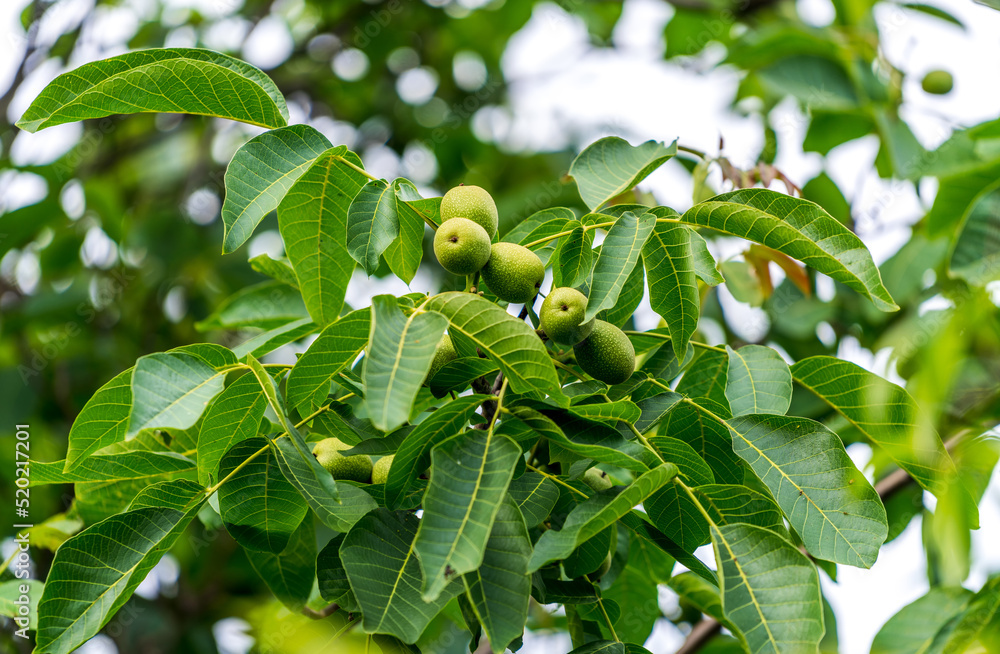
325, 612
700, 635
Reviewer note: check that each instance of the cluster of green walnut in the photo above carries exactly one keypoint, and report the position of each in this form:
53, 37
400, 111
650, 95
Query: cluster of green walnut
463, 246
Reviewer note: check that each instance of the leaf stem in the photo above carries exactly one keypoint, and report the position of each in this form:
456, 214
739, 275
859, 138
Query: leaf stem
645, 442
607, 619
664, 337
697, 153
356, 168
720, 419
557, 480
212, 489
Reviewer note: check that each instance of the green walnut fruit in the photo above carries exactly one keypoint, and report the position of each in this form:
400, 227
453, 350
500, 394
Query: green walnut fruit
562, 314
603, 570
607, 354
938, 82
513, 273
356, 468
444, 353
380, 472
474, 203
597, 479
461, 246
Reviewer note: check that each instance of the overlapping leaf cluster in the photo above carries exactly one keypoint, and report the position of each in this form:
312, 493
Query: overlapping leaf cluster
484, 508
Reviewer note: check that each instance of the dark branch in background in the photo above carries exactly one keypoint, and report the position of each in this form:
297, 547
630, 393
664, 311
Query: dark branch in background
322, 613
886, 487
19, 74
702, 632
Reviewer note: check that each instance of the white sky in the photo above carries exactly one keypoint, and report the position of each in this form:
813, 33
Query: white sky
565, 93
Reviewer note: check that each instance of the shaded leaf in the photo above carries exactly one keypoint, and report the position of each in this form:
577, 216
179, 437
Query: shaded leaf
913, 628
372, 223
535, 495
414, 454
259, 507
382, 566
596, 514
290, 573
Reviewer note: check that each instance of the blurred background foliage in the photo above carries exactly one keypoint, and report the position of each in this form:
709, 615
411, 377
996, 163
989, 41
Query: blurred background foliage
110, 232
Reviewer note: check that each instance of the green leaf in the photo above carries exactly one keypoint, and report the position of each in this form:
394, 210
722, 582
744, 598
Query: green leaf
575, 259
886, 414
404, 254
234, 416
637, 523
619, 254
770, 590
312, 219
653, 408
609, 647
384, 572
469, 478
171, 389
758, 381
586, 438
705, 266
798, 228
826, 498
414, 454
338, 506
635, 590
277, 269
709, 438
610, 166
89, 581
330, 574
541, 225
703, 595
610, 412
975, 629
510, 342
500, 589
670, 508
103, 420
11, 603
401, 351
372, 223
264, 306
170, 80
116, 467
913, 628
458, 374
726, 504
975, 256
596, 514
260, 174
707, 376
269, 341
259, 507
535, 496
628, 300
673, 285
289, 574
336, 348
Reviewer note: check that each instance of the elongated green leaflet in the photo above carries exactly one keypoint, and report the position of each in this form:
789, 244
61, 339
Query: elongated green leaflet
171, 80
798, 228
